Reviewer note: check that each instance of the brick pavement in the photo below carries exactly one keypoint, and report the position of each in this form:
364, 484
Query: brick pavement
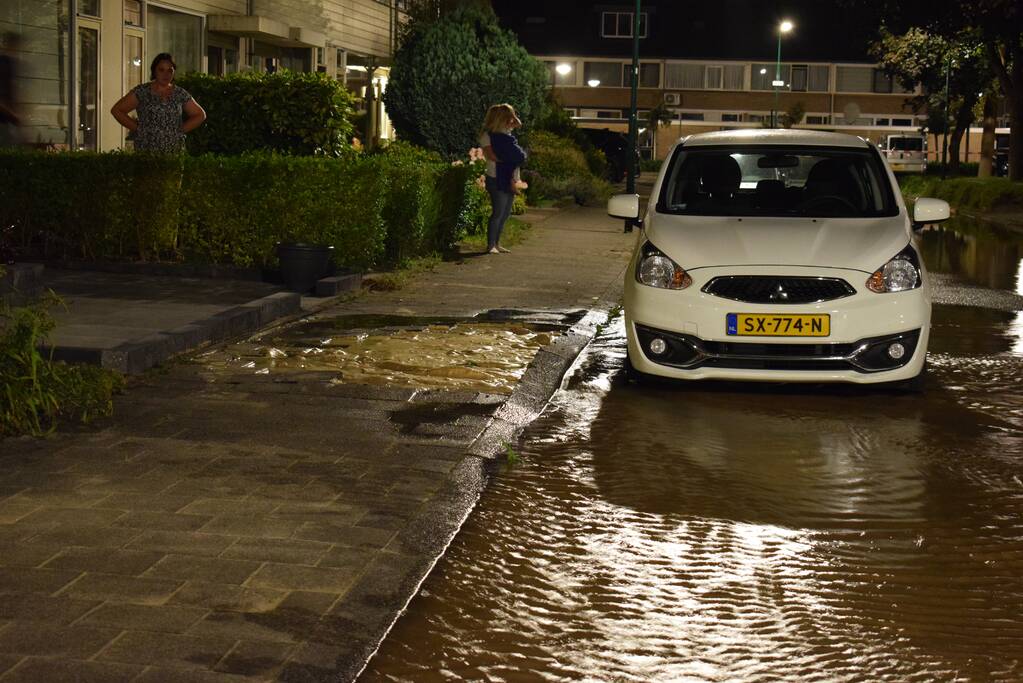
239, 527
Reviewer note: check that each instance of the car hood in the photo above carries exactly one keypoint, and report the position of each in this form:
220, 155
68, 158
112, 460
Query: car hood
713, 241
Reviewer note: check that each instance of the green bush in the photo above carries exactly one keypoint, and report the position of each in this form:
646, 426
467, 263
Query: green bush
650, 165
446, 74
557, 168
88, 205
36, 392
984, 194
234, 209
286, 111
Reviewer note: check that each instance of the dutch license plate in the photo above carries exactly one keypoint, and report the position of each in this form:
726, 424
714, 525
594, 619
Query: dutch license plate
777, 325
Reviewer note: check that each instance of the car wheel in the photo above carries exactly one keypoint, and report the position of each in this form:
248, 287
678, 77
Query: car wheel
632, 375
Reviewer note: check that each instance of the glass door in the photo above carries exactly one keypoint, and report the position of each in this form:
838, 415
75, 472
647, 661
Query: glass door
134, 66
87, 85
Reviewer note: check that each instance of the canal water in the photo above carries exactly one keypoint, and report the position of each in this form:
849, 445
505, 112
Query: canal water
736, 532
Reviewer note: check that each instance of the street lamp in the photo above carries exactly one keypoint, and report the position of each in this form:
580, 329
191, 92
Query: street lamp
783, 28
563, 69
593, 82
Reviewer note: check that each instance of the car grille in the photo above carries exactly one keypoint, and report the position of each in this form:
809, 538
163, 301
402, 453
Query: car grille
773, 289
865, 355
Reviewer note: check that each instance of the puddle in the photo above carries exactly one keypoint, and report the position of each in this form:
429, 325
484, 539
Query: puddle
428, 353
736, 532
975, 251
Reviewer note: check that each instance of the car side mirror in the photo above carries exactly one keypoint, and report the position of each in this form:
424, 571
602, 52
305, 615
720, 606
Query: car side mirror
927, 210
624, 206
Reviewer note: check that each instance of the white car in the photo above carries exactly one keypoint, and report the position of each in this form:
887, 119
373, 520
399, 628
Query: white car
777, 255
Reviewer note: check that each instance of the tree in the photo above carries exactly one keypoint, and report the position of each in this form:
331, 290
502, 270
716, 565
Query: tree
920, 58
793, 116
999, 25
449, 70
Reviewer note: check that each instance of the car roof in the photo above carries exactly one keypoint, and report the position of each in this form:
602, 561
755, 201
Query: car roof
769, 136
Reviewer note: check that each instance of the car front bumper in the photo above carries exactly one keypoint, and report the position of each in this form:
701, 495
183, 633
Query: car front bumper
862, 327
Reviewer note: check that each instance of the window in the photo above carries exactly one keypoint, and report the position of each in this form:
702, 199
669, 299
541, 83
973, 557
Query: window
799, 78
818, 120
882, 81
561, 79
88, 88
215, 60
690, 116
88, 8
882, 122
133, 12
619, 24
177, 33
735, 77
853, 78
649, 75
684, 76
819, 77
801, 173
608, 73
731, 117
902, 122
715, 77
764, 74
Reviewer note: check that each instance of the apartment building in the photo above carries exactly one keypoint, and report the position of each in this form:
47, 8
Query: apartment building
714, 67
76, 58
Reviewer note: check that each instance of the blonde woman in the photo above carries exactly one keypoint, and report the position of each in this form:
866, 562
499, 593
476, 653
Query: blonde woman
504, 156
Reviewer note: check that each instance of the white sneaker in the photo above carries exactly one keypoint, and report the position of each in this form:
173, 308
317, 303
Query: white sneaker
493, 250
503, 250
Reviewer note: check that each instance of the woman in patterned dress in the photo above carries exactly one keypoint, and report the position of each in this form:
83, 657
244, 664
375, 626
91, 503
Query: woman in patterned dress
166, 113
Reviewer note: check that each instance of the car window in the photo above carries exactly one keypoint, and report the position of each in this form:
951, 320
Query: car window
777, 181
906, 144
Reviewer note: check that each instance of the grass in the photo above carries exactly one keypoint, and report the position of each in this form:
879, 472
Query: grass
515, 232
400, 277
985, 194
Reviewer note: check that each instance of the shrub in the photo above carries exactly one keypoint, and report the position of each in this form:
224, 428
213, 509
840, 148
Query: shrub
90, 205
36, 392
284, 111
557, 168
448, 71
965, 193
234, 209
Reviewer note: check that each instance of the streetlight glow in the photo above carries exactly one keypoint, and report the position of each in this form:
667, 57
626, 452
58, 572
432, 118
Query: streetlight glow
563, 69
785, 26
763, 71
593, 82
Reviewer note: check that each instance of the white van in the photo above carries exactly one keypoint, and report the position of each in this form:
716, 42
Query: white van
905, 153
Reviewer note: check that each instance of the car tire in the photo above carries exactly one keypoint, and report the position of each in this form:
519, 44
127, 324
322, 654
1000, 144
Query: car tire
632, 375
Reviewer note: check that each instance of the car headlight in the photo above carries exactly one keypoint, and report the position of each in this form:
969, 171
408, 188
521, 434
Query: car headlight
657, 270
901, 273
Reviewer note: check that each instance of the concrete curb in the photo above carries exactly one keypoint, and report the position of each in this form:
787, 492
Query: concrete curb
439, 520
138, 355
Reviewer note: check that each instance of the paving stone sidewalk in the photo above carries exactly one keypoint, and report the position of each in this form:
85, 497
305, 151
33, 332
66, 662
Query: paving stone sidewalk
250, 527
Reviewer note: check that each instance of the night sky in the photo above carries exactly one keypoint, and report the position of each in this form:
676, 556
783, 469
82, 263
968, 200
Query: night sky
684, 29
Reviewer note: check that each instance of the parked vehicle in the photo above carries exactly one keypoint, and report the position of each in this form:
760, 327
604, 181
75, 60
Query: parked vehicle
615, 147
777, 255
906, 153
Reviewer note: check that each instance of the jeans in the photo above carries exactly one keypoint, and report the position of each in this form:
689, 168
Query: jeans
501, 202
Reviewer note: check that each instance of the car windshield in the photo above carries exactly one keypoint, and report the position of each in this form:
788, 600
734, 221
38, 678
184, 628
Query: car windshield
776, 181
906, 144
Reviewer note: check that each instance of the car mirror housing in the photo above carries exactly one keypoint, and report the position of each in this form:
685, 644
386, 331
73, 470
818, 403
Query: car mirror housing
927, 210
624, 206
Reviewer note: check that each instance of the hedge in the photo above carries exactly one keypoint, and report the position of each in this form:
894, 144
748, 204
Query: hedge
285, 111
965, 193
372, 209
557, 168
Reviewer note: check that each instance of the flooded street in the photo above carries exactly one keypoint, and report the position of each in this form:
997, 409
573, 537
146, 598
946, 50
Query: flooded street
723, 532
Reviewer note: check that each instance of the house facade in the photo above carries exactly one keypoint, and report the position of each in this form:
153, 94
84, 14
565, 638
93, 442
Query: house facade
76, 58
714, 67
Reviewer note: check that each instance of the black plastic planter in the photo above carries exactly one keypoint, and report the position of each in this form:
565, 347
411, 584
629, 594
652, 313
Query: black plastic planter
303, 264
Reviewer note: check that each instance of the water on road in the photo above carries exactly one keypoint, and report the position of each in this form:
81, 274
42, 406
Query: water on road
738, 532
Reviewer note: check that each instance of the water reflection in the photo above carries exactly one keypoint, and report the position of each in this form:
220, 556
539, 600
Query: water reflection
740, 533
978, 252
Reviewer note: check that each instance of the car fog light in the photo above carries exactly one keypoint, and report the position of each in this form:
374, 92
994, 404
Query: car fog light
657, 346
896, 351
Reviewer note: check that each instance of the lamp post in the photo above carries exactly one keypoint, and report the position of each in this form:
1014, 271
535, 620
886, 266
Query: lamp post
630, 168
783, 28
